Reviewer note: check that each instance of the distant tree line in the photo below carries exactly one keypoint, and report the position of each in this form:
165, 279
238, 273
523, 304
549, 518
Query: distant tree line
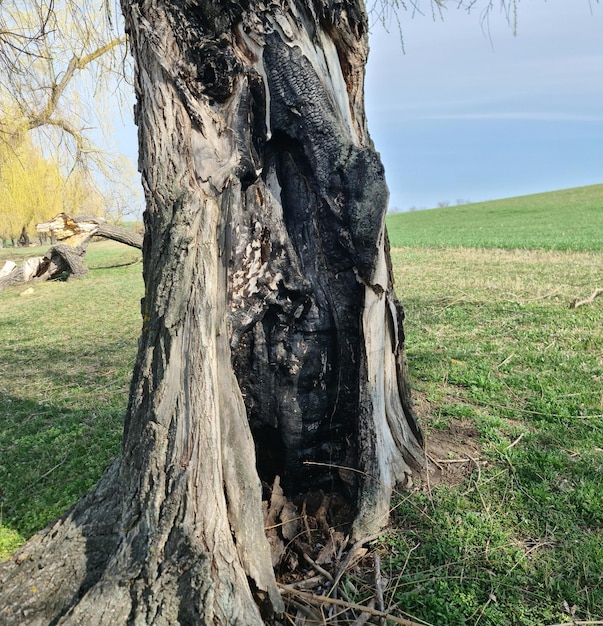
441, 205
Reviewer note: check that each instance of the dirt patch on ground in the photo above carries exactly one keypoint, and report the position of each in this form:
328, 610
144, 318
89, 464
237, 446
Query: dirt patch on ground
453, 452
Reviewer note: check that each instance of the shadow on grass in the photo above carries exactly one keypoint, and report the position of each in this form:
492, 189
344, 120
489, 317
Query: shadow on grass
50, 456
116, 265
61, 419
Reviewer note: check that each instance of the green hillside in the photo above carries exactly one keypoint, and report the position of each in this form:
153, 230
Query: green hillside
570, 219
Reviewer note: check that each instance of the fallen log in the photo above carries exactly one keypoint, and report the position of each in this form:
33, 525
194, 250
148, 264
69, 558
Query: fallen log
13, 274
67, 257
60, 260
70, 230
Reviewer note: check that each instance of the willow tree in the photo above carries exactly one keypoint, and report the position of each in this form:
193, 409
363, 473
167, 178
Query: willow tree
33, 188
270, 324
60, 64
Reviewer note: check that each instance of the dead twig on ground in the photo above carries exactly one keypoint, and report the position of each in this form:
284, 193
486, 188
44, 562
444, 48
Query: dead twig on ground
323, 572
580, 623
320, 600
379, 587
574, 304
434, 461
351, 556
515, 442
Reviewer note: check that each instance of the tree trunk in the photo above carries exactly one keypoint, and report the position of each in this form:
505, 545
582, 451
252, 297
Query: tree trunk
24, 238
265, 254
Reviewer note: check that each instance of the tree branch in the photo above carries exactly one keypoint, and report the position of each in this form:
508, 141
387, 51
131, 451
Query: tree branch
76, 63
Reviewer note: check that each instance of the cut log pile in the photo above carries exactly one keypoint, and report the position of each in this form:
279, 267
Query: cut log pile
65, 258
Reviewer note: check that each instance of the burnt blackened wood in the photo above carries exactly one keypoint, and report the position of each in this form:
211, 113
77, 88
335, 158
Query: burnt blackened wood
316, 209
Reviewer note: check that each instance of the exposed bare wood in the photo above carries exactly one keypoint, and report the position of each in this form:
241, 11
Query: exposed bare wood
76, 230
62, 226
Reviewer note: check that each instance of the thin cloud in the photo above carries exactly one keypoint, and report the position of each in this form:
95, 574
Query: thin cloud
531, 116
463, 115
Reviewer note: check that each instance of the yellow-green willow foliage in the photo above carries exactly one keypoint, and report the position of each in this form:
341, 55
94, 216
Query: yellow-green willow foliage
63, 72
33, 189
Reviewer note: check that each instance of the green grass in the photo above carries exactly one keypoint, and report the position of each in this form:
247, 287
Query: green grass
66, 356
571, 219
493, 344
493, 348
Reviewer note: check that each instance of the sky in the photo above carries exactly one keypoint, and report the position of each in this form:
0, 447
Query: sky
464, 110
472, 111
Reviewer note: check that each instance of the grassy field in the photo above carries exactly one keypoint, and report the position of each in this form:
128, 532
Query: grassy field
506, 527
506, 372
571, 219
66, 356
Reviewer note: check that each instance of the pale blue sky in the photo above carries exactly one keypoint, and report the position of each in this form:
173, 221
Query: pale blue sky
468, 114
475, 114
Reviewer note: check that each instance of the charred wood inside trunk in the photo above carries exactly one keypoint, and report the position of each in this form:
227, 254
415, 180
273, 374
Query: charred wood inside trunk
298, 365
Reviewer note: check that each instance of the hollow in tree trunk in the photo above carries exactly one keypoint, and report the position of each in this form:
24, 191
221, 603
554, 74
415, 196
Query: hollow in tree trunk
265, 260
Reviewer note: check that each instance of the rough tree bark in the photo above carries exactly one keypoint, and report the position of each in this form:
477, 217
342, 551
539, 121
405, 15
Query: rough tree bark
265, 254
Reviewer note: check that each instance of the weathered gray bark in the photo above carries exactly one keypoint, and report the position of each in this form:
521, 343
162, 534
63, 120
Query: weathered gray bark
265, 254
